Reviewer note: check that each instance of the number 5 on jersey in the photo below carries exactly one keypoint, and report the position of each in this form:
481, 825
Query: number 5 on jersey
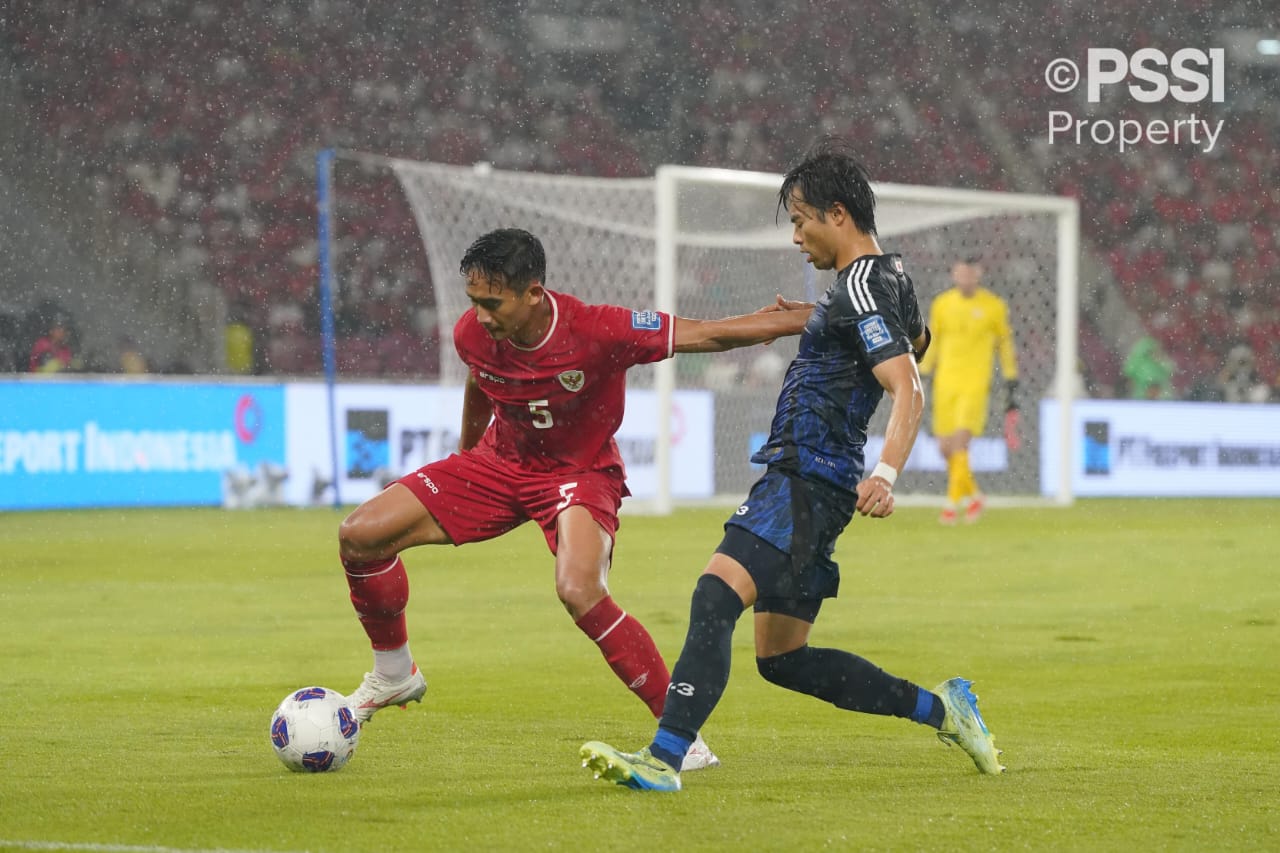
541, 414
566, 494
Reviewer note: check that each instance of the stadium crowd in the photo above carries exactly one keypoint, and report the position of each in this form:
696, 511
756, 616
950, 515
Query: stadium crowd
203, 118
1189, 234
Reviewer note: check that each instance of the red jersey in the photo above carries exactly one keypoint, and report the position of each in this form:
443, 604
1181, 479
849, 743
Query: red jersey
556, 405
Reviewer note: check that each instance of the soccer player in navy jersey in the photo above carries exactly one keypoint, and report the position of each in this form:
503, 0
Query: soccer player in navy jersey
862, 340
544, 398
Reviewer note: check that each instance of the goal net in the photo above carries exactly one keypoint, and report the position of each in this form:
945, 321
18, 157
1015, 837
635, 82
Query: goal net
707, 243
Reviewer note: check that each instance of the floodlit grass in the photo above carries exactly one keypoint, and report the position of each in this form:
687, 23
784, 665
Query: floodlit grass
1126, 653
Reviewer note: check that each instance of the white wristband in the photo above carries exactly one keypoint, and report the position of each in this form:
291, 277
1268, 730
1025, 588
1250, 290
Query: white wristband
885, 472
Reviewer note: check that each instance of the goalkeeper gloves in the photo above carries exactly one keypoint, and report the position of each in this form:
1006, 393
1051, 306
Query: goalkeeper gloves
1011, 415
1010, 395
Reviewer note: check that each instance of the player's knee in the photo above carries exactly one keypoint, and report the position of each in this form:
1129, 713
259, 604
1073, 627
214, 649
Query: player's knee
782, 669
358, 540
579, 595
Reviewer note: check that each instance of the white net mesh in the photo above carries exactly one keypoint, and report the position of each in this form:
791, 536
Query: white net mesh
598, 235
733, 256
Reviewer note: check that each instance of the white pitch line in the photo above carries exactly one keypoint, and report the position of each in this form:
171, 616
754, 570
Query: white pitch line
115, 848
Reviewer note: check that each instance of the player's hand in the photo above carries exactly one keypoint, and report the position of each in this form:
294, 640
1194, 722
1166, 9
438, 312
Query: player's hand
783, 304
875, 497
1012, 439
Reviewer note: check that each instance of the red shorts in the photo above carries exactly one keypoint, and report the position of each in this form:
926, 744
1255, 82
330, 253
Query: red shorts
476, 496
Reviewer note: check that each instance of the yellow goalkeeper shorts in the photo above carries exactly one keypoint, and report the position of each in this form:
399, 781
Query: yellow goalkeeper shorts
959, 409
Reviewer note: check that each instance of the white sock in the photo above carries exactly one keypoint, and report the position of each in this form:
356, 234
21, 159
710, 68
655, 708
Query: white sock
394, 664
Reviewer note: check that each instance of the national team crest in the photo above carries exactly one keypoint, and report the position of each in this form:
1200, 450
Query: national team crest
572, 380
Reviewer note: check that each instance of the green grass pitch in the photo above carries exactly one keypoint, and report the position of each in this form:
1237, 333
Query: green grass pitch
1127, 654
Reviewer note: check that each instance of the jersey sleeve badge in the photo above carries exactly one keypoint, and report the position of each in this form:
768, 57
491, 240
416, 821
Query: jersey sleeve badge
875, 332
647, 320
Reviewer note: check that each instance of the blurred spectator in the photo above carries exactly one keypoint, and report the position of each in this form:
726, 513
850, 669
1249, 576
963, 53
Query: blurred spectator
766, 370
721, 374
129, 357
11, 355
238, 345
52, 353
290, 350
1206, 387
1239, 378
1149, 371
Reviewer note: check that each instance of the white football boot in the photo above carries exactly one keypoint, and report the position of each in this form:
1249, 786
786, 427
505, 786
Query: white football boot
699, 756
374, 693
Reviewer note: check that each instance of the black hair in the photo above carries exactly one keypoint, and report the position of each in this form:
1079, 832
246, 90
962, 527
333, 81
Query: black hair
830, 172
509, 256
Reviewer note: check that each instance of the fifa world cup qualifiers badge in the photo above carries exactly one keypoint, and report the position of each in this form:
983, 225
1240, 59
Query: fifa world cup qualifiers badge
875, 332
648, 320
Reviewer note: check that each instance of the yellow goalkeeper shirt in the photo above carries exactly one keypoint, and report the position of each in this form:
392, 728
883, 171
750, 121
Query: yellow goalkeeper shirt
967, 330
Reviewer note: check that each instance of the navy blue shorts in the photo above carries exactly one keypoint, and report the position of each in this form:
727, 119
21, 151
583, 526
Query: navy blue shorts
784, 535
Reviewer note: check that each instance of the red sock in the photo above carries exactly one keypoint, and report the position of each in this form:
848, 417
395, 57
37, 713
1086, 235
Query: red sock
629, 651
380, 591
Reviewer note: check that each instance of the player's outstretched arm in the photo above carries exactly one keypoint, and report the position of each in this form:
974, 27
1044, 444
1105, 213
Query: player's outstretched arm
782, 303
773, 321
901, 379
477, 410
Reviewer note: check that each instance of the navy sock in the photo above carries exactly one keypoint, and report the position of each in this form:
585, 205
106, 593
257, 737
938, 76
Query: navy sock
702, 672
850, 682
670, 746
929, 709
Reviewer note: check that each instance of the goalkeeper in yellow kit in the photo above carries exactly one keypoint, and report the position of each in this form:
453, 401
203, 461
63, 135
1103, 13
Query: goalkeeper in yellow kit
969, 324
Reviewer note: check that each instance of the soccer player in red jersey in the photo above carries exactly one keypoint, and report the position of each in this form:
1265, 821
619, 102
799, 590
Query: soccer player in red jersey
540, 409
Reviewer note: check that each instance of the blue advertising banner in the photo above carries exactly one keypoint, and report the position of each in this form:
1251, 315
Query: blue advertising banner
103, 443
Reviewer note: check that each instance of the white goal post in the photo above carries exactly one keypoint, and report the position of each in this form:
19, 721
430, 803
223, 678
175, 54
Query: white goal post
706, 243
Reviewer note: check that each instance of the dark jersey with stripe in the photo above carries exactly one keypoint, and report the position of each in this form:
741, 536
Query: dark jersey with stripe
819, 427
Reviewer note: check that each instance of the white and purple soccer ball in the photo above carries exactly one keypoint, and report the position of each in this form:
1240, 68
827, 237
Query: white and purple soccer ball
314, 731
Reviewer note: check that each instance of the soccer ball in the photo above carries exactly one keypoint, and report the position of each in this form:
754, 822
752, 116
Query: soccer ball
314, 730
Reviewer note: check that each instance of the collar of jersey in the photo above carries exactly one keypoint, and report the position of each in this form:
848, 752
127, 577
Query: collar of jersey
847, 267
551, 330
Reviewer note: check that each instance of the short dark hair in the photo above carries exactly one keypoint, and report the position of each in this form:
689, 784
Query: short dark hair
508, 256
830, 172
